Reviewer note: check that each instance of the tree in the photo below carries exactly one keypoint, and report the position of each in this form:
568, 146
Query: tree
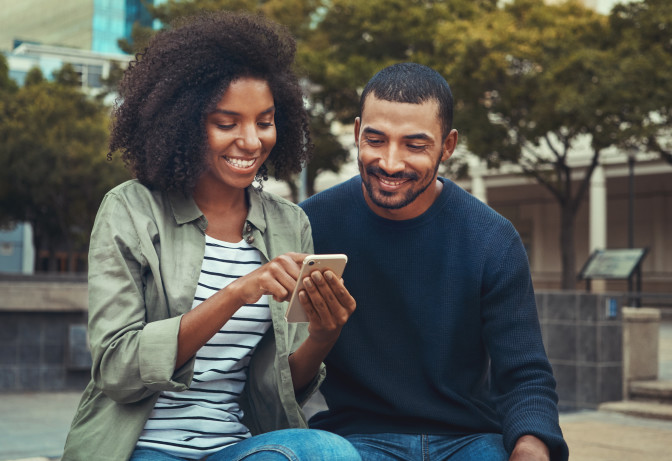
7, 85
533, 81
641, 34
53, 167
355, 39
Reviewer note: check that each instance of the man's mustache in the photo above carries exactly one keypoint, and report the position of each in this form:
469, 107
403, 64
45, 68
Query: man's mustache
377, 171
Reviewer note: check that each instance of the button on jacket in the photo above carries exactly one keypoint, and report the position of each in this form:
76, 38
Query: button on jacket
145, 259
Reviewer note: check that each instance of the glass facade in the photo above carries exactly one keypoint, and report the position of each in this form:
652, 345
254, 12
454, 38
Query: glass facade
114, 19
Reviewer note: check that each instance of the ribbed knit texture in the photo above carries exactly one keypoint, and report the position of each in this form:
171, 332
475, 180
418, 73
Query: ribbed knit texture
439, 298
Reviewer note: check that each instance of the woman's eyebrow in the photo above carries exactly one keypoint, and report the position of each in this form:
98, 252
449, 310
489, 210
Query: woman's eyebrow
231, 112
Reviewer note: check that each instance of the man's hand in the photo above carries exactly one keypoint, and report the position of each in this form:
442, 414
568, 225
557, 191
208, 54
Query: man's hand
530, 448
328, 305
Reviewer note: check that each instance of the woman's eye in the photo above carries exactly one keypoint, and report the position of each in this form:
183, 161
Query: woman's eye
265, 124
223, 126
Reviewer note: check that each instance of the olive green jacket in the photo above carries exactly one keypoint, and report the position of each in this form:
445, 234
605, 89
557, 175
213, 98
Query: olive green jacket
144, 263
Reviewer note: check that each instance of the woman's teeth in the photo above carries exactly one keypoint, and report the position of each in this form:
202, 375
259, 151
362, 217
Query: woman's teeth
240, 163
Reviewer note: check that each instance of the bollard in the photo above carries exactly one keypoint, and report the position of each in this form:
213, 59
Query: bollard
641, 329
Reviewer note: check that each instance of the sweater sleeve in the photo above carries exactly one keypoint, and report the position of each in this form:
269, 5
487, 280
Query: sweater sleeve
522, 378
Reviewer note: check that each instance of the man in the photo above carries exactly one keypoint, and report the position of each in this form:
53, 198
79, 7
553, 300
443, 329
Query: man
443, 356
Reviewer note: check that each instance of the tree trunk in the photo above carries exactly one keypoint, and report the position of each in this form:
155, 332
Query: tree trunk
37, 245
567, 217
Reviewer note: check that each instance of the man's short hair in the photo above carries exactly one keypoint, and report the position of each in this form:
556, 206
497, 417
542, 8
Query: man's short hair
412, 83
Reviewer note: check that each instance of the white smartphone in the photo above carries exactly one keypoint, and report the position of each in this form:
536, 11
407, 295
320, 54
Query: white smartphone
334, 262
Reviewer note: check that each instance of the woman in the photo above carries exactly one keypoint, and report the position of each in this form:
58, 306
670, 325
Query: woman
189, 265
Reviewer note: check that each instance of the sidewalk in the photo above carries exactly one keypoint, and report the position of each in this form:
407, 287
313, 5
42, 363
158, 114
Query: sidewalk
33, 426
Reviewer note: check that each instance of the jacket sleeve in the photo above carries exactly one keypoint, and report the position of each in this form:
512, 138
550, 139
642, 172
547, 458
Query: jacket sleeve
132, 359
522, 377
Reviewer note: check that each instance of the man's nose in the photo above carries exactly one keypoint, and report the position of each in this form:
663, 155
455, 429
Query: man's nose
392, 160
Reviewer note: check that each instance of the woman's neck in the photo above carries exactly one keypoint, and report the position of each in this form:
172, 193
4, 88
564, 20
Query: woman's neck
225, 210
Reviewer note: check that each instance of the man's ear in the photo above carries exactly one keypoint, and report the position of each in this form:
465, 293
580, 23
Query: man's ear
449, 145
357, 123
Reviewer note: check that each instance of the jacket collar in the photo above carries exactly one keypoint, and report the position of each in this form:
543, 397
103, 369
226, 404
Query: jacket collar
185, 209
255, 214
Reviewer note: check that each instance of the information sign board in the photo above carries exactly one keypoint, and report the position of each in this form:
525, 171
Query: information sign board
612, 264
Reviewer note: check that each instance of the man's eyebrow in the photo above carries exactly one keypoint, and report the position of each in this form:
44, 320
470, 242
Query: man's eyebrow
230, 112
417, 136
420, 136
369, 130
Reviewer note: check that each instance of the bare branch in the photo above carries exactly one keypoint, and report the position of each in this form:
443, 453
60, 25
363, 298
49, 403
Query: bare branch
534, 172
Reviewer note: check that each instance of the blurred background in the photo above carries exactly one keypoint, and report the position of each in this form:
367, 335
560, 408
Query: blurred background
564, 114
563, 109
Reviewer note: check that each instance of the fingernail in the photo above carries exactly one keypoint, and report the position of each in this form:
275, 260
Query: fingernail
328, 275
307, 282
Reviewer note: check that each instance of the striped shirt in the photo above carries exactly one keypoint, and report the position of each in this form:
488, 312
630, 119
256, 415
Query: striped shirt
206, 417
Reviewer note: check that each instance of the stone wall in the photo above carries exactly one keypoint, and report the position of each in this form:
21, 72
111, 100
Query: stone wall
43, 344
583, 336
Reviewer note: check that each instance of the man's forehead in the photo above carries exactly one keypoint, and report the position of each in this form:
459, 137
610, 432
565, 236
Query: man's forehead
373, 98
410, 120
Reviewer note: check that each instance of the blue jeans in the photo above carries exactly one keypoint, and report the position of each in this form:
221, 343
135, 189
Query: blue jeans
283, 445
413, 447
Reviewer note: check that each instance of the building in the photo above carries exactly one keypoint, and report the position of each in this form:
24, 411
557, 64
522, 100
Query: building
602, 220
47, 34
84, 33
16, 249
94, 25
91, 66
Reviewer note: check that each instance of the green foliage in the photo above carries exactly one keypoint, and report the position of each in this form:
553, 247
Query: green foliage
68, 76
7, 85
641, 35
34, 77
53, 166
530, 79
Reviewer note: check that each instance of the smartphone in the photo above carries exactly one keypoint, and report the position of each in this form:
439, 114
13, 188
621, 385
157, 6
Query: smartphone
334, 262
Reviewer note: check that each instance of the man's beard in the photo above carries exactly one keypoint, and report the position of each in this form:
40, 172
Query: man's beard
410, 195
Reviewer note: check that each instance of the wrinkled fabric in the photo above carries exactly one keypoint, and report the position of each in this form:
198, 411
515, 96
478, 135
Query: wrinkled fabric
145, 258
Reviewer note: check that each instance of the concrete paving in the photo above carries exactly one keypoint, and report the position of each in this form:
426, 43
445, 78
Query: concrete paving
33, 426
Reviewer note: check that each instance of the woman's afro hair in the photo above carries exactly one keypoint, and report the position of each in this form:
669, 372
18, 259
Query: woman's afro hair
168, 90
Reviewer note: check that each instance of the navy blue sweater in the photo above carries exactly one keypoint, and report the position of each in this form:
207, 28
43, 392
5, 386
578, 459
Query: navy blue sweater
445, 338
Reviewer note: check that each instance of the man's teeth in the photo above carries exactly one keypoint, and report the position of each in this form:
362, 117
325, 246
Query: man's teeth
240, 163
390, 182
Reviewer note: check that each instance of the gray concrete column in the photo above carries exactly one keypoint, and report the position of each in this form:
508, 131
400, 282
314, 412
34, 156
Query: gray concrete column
598, 219
641, 330
476, 171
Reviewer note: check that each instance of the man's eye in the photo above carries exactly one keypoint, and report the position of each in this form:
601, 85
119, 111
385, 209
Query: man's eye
373, 142
417, 147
